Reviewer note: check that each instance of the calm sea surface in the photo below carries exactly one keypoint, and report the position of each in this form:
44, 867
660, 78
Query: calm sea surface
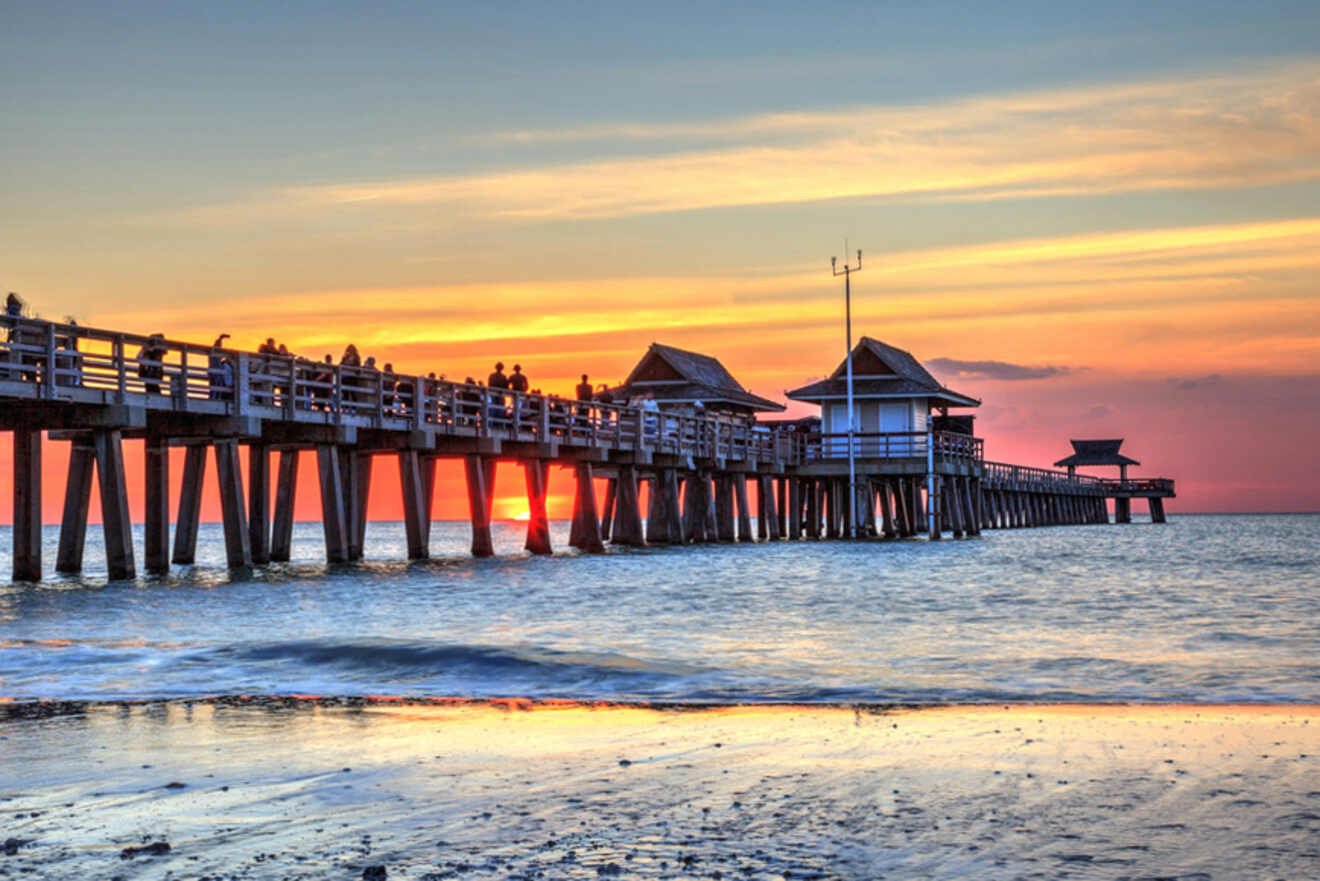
1204, 608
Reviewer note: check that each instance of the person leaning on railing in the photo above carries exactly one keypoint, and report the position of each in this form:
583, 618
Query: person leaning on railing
151, 367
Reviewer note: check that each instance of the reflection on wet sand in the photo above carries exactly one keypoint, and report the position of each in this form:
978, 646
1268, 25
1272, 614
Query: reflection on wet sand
297, 788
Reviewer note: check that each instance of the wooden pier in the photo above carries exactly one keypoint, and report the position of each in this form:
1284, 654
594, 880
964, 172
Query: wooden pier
95, 389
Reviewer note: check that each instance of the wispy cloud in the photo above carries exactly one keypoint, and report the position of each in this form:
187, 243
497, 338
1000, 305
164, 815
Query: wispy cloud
1002, 370
1208, 132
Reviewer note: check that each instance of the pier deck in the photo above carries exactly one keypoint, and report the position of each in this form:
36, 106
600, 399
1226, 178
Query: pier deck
95, 388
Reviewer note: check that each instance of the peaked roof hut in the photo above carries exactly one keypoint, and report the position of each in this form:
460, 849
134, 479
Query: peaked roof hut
1097, 452
677, 377
882, 371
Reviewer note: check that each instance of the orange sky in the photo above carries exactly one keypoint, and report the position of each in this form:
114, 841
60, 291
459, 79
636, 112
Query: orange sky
1094, 250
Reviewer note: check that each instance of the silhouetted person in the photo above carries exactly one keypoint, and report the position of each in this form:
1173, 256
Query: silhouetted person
324, 379
219, 371
518, 382
351, 358
150, 369
584, 389
498, 380
268, 347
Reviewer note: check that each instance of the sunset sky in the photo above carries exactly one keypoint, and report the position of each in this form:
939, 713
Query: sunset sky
1102, 221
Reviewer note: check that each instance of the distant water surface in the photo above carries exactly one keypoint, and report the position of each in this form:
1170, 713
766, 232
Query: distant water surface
1204, 608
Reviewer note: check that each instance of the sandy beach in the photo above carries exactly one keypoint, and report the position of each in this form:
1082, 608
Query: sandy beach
311, 788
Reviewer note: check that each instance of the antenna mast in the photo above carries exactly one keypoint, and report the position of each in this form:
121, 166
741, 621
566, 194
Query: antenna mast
847, 272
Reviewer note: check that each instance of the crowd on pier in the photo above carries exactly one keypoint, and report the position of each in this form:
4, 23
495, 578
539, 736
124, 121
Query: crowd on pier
353, 384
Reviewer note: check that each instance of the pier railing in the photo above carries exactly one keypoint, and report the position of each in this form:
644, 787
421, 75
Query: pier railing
1040, 479
946, 445
48, 361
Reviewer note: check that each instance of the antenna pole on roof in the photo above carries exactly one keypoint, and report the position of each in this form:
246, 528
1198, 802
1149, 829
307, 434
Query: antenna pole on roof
847, 272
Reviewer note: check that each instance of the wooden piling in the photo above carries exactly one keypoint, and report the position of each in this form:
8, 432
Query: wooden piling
428, 494
259, 503
479, 505
77, 497
740, 504
672, 511
768, 509
117, 526
156, 522
627, 527
972, 510
585, 534
414, 504
794, 512
951, 496
607, 515
355, 472
937, 506
902, 509
724, 528
536, 476
782, 498
238, 547
190, 504
27, 505
333, 519
657, 520
286, 487
886, 508
813, 509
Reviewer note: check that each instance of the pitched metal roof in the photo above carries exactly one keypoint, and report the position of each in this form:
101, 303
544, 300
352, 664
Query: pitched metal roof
907, 379
703, 378
1096, 452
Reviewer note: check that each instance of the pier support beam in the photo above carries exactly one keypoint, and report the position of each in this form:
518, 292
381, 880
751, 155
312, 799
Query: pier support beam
77, 496
414, 504
114, 505
724, 507
627, 526
782, 498
673, 511
481, 492
767, 511
794, 532
355, 470
156, 523
428, 494
286, 487
238, 547
902, 509
585, 533
611, 499
27, 504
536, 474
657, 523
259, 503
740, 504
886, 508
190, 504
332, 504
699, 508
971, 508
1122, 510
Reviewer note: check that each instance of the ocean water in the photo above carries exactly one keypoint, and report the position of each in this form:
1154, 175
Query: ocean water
1202, 609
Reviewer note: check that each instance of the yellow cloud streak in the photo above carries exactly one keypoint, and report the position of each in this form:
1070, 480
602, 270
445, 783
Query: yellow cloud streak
1212, 132
1091, 297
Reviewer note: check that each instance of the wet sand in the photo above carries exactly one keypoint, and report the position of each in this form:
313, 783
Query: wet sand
333, 789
